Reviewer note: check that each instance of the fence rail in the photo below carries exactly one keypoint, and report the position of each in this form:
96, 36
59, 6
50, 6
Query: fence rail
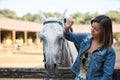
33, 73
41, 73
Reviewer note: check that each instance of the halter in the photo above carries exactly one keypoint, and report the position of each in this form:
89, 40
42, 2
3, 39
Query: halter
53, 22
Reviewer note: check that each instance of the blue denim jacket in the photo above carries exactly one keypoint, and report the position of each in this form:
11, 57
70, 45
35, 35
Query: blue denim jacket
102, 60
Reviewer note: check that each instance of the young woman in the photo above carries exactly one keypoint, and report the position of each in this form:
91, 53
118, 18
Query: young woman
96, 57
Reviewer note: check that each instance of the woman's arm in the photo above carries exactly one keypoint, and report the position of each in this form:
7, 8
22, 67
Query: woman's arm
76, 38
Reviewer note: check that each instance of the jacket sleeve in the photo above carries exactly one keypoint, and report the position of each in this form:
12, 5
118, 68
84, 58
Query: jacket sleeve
109, 64
76, 38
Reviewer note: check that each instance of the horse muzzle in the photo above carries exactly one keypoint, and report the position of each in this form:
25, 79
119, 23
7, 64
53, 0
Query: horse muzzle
51, 68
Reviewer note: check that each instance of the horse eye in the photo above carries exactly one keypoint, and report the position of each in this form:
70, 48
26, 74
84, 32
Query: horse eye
41, 39
61, 37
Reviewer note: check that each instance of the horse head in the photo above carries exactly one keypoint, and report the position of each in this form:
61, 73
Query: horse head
52, 35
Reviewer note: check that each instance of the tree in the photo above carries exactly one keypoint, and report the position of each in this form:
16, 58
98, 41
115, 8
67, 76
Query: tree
28, 17
114, 15
8, 13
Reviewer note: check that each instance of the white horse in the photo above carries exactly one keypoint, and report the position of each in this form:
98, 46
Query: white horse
58, 52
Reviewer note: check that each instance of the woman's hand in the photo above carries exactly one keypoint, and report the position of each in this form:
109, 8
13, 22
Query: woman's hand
69, 23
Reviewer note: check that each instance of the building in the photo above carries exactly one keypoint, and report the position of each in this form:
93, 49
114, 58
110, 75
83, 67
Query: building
16, 33
86, 29
11, 30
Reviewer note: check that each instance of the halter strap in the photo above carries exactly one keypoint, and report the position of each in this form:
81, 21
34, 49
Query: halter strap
53, 22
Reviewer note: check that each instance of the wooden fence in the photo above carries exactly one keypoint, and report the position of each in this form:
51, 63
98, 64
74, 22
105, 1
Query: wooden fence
40, 73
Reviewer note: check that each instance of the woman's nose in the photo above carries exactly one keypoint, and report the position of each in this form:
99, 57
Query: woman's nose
92, 29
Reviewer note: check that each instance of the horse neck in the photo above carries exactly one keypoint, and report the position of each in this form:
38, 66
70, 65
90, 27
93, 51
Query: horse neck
69, 53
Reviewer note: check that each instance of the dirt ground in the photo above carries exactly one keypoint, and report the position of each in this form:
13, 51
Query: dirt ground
21, 60
32, 61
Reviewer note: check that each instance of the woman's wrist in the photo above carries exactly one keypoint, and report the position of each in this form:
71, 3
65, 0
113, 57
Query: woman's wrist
69, 23
67, 28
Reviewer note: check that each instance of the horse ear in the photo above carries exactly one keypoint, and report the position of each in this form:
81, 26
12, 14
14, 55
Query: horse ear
42, 17
62, 17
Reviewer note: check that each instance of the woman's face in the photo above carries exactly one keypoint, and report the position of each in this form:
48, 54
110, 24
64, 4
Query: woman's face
96, 30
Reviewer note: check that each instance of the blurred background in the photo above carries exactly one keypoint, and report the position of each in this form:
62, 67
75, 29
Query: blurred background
20, 24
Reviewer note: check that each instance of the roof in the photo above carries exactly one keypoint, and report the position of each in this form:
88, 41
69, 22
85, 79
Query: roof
18, 25
86, 28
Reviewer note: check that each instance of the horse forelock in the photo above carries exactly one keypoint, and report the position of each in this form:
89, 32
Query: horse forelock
51, 29
52, 19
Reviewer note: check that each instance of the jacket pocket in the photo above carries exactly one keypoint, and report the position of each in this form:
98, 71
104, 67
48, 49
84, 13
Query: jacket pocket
99, 62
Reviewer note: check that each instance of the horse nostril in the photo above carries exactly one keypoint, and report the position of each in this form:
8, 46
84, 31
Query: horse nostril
55, 66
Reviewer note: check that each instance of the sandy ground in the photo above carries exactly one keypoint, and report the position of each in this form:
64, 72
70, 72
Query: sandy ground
21, 60
32, 61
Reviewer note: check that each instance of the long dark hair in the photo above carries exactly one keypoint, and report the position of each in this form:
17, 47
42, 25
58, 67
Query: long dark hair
107, 33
